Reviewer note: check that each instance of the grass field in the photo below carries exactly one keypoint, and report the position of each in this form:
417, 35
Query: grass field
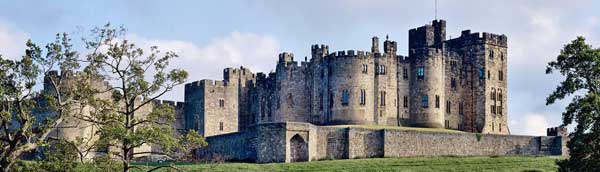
479, 164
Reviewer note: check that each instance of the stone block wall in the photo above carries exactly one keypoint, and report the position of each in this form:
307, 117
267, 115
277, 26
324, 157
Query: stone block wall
292, 142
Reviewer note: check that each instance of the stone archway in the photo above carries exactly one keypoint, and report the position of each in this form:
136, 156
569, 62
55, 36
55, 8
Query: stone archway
298, 149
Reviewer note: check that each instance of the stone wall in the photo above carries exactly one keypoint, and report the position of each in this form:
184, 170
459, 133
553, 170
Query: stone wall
292, 141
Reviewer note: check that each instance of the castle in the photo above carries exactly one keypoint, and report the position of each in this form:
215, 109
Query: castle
360, 104
357, 104
455, 84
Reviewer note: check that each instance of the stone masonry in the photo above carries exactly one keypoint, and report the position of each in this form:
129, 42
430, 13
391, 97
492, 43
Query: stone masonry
458, 84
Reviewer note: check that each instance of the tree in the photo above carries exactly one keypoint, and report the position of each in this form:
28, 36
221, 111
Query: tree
123, 117
580, 64
24, 125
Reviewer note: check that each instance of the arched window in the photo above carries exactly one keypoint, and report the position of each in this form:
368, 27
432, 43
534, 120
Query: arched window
363, 97
420, 72
425, 101
221, 103
501, 102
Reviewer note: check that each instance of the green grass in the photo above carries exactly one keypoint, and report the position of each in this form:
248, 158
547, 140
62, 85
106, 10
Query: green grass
379, 127
426, 164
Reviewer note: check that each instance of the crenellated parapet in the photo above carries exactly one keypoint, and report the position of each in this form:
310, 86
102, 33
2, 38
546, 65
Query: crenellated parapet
176, 104
557, 131
467, 38
319, 50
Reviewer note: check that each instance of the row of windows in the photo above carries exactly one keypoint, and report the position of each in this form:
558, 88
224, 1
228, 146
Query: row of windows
380, 69
497, 101
491, 55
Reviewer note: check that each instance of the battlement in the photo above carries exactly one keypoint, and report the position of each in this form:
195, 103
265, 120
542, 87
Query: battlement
286, 57
205, 83
403, 59
176, 104
557, 131
467, 38
430, 35
350, 54
319, 50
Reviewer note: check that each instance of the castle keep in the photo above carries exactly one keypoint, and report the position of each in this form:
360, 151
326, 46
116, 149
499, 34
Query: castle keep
456, 84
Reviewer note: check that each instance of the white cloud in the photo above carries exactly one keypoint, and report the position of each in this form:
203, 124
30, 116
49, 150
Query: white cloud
531, 124
254, 51
12, 40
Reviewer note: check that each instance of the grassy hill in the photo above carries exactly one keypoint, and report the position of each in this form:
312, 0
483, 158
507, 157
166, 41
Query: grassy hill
480, 164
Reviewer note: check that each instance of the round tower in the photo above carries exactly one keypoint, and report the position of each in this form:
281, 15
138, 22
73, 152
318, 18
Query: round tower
351, 91
427, 82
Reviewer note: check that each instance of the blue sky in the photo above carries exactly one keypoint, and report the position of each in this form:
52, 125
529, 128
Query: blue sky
211, 35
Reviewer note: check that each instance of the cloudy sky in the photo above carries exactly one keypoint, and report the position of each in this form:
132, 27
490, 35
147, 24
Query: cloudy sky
211, 35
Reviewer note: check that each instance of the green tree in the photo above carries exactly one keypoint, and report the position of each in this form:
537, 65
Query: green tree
23, 127
124, 122
579, 62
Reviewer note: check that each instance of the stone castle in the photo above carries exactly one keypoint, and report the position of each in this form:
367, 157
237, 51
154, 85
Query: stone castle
456, 84
360, 104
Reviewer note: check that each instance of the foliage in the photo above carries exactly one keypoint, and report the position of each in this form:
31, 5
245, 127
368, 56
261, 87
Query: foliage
121, 111
580, 64
22, 131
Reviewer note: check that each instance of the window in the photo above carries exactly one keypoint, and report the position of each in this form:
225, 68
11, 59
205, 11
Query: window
491, 55
500, 127
221, 103
420, 72
448, 107
220, 126
365, 68
489, 75
481, 73
381, 69
500, 75
425, 101
501, 101
453, 83
345, 97
382, 98
405, 102
493, 97
437, 101
460, 109
502, 56
363, 97
404, 73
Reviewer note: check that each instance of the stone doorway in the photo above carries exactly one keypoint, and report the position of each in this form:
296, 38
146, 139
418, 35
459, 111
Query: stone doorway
298, 149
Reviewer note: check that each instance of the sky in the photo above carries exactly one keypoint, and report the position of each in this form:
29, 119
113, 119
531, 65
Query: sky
212, 35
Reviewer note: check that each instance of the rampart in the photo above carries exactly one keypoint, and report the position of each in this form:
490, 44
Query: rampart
290, 142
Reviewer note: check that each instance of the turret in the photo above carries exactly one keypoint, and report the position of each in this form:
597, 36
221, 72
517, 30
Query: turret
390, 47
432, 35
375, 45
319, 51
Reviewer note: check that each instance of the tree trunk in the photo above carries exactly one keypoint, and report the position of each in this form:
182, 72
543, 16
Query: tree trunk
125, 166
6, 165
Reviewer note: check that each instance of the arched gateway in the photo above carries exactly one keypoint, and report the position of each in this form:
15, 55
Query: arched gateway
298, 149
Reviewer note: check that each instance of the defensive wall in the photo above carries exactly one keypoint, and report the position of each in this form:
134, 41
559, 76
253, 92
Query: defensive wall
293, 142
